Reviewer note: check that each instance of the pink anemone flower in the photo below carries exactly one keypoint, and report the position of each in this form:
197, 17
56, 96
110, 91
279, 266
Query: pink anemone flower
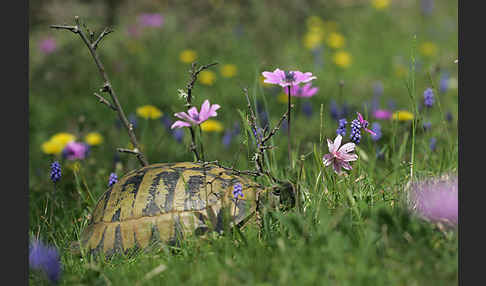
287, 78
193, 117
305, 91
364, 124
339, 157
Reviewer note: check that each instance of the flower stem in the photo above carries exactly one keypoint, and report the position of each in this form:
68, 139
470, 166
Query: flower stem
288, 126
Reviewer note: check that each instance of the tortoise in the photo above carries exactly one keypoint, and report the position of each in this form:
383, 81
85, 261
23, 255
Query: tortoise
165, 202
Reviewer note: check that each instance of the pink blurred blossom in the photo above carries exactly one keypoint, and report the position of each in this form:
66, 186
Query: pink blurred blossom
339, 157
193, 117
287, 78
305, 91
436, 200
48, 45
75, 150
364, 124
382, 114
151, 20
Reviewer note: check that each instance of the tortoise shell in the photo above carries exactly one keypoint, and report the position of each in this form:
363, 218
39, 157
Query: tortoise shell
165, 202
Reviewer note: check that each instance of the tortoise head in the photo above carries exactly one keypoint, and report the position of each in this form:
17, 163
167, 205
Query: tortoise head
281, 195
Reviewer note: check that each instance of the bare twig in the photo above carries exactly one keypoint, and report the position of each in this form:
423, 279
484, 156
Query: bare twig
105, 101
123, 150
105, 32
107, 85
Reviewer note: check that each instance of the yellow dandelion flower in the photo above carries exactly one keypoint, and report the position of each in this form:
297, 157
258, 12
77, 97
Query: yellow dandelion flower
188, 56
283, 98
207, 77
403, 115
63, 138
93, 138
342, 59
335, 40
428, 49
211, 125
228, 70
149, 112
380, 4
315, 24
312, 39
52, 147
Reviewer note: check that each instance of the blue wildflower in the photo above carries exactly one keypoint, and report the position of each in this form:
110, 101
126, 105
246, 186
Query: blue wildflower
238, 191
112, 180
376, 127
391, 104
427, 125
317, 55
55, 171
335, 112
341, 130
433, 144
46, 259
307, 108
355, 131
444, 83
166, 121
178, 134
429, 97
449, 116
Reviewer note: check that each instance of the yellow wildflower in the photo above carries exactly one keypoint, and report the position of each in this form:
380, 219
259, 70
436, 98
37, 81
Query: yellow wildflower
63, 138
342, 59
312, 39
380, 4
315, 24
93, 138
428, 49
149, 112
187, 56
283, 98
207, 77
211, 125
52, 147
403, 115
228, 70
335, 40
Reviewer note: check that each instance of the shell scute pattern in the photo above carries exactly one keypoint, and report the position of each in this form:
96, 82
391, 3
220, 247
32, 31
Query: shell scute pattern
164, 202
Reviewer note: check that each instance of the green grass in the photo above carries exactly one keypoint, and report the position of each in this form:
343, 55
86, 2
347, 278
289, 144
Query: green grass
347, 230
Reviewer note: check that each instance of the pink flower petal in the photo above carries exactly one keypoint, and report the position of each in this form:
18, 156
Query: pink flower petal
346, 148
346, 166
184, 116
330, 146
180, 124
327, 159
337, 142
193, 113
348, 157
337, 167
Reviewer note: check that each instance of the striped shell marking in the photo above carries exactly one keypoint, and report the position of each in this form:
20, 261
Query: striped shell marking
164, 202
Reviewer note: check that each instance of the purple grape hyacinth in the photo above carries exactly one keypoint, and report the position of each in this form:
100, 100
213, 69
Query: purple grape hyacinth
436, 200
429, 97
112, 180
355, 131
238, 191
46, 259
341, 130
55, 172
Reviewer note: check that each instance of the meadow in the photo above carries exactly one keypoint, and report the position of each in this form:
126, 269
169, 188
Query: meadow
391, 61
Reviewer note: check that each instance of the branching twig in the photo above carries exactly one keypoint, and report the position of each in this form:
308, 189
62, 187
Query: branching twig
107, 85
104, 101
